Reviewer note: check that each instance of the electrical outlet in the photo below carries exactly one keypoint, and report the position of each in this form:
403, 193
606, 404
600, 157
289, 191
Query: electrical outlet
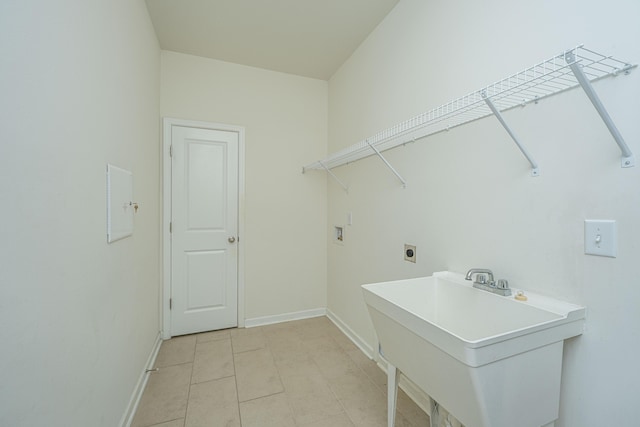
409, 253
600, 238
338, 234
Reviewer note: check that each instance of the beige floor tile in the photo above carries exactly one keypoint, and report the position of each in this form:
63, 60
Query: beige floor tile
256, 374
241, 332
402, 421
291, 367
174, 423
369, 409
334, 363
176, 351
369, 416
248, 339
294, 362
377, 375
310, 397
343, 341
214, 335
410, 410
270, 411
213, 404
280, 329
360, 358
285, 344
314, 328
376, 416
341, 420
165, 396
321, 343
288, 351
357, 390
369, 367
213, 360
283, 338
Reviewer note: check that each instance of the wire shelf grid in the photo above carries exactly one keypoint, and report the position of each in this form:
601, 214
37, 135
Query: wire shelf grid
535, 83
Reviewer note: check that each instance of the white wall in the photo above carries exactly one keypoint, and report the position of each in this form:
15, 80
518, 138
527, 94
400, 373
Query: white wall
470, 200
285, 118
80, 89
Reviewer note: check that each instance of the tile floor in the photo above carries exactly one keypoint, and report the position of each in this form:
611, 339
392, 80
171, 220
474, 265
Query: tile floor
302, 373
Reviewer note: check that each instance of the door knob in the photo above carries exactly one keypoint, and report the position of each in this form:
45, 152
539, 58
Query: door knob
231, 239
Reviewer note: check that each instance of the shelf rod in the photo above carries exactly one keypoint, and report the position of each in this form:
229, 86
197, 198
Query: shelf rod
535, 171
333, 176
404, 183
627, 156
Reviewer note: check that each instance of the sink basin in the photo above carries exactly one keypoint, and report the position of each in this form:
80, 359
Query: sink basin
490, 360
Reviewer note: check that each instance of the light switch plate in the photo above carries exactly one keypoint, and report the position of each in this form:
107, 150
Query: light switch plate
600, 237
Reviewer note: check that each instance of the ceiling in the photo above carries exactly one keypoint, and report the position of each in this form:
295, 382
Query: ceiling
311, 38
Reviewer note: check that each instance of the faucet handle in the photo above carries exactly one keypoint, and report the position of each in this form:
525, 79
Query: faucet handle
502, 284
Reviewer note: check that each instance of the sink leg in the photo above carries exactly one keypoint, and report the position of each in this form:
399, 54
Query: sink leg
434, 416
392, 393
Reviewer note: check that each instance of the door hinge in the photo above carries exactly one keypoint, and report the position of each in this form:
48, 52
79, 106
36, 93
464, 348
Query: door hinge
170, 227
170, 303
171, 151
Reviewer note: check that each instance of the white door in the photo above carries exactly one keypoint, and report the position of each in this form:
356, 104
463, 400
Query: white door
204, 219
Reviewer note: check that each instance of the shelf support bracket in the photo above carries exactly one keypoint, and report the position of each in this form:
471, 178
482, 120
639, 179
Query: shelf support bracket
628, 159
395, 172
346, 189
535, 171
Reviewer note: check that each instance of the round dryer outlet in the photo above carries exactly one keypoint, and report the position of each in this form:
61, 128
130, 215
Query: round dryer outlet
409, 253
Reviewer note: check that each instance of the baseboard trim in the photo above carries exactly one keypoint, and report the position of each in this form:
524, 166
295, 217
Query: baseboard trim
134, 401
286, 317
355, 338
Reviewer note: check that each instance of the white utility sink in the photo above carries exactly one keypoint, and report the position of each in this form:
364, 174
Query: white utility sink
490, 360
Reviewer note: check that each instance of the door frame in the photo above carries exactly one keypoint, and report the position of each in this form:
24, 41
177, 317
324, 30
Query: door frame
165, 294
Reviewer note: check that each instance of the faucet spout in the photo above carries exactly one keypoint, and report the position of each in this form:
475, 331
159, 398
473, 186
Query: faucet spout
473, 271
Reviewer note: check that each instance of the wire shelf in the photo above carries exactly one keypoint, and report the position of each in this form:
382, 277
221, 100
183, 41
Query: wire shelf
542, 80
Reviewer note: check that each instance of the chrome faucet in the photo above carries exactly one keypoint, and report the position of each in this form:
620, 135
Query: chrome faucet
480, 275
481, 281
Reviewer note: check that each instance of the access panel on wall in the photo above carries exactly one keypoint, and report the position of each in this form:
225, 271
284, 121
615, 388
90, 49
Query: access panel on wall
120, 204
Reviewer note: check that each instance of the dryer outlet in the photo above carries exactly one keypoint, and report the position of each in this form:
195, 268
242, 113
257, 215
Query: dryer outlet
409, 253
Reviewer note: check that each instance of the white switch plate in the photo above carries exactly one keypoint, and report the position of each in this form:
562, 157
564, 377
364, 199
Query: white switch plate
600, 237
